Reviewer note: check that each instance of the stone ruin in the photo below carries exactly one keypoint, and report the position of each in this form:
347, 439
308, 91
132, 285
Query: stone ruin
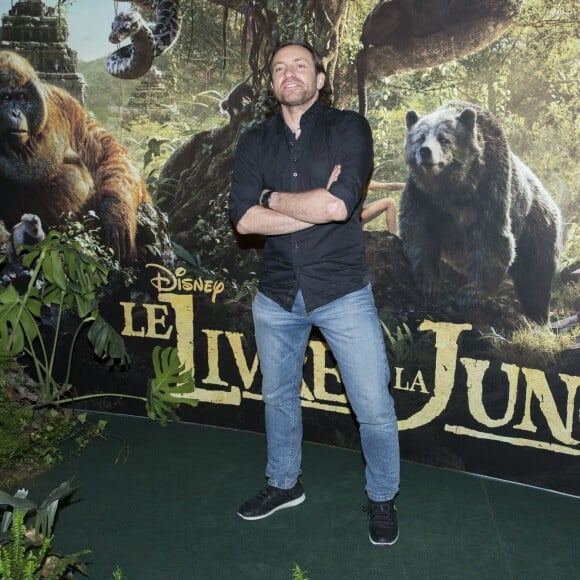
39, 33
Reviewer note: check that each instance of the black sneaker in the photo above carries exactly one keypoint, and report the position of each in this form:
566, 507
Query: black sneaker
383, 525
270, 500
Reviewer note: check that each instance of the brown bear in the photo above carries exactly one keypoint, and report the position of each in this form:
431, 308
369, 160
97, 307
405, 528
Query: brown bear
473, 203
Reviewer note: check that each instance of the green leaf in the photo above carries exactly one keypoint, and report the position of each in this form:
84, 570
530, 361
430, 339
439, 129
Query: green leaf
47, 265
9, 295
30, 257
59, 276
34, 306
20, 503
85, 304
106, 341
59, 493
15, 324
70, 260
72, 268
51, 294
171, 380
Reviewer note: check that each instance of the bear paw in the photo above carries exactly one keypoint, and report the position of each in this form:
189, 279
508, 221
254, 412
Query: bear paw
428, 283
468, 296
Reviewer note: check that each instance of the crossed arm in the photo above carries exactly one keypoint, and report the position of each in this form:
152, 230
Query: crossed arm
292, 212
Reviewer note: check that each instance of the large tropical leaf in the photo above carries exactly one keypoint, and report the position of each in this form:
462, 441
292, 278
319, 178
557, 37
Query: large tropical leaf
17, 321
171, 381
53, 270
46, 512
107, 343
69, 272
18, 501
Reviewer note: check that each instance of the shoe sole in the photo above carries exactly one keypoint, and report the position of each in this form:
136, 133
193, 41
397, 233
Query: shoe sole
383, 543
288, 504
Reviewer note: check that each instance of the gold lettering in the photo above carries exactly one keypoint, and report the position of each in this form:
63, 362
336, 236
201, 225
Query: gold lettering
161, 283
231, 397
475, 373
446, 337
246, 374
516, 441
537, 385
128, 318
213, 375
182, 305
183, 308
419, 382
218, 288
343, 409
153, 321
398, 384
305, 392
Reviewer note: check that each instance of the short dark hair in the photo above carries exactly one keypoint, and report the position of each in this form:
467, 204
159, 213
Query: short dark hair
325, 93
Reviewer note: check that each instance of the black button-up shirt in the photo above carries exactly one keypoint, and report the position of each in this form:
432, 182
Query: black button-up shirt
326, 261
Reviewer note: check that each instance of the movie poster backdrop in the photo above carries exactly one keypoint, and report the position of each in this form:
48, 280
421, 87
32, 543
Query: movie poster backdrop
482, 381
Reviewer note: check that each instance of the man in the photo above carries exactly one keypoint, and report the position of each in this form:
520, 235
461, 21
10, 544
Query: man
298, 179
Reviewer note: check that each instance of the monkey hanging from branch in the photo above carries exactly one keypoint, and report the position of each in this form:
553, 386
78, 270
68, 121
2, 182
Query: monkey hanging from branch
240, 97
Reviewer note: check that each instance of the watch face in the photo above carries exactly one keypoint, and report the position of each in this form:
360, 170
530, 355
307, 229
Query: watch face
265, 202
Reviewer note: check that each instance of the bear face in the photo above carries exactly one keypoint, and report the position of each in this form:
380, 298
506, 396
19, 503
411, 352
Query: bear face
442, 147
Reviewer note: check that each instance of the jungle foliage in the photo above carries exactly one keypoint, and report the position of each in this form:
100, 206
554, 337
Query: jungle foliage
528, 78
51, 307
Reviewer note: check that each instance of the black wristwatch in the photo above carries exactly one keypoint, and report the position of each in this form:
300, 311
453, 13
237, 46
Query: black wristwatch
265, 198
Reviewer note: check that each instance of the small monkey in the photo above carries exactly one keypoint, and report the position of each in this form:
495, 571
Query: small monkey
28, 231
240, 97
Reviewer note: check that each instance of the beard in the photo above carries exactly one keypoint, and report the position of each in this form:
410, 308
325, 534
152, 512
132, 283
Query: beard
297, 97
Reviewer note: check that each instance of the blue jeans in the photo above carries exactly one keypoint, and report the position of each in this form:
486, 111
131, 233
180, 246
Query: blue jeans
351, 328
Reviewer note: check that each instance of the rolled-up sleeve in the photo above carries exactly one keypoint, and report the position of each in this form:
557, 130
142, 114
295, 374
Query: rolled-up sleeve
246, 176
355, 156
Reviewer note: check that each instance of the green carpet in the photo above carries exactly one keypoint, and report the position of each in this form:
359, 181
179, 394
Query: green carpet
161, 504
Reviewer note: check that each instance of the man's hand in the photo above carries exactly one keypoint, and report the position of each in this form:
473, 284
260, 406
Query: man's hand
293, 212
317, 206
333, 176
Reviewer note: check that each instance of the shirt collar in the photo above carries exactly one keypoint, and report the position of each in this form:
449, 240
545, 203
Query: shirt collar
313, 111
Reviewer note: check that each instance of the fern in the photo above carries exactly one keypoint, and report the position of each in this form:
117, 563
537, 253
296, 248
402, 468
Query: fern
298, 573
405, 350
23, 559
25, 553
12, 555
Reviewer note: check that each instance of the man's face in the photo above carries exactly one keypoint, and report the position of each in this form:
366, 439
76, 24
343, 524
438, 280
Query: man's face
294, 78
